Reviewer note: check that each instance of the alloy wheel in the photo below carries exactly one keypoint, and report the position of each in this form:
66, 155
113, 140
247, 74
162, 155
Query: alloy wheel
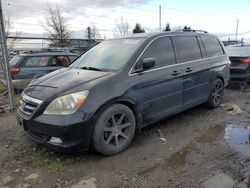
116, 130
217, 93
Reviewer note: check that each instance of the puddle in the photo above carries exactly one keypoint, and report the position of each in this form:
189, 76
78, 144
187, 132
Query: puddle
237, 136
175, 161
211, 134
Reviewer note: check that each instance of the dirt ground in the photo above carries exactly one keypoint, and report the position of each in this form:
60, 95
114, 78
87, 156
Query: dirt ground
196, 145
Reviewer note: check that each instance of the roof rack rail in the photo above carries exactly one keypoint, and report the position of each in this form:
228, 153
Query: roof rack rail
45, 50
192, 30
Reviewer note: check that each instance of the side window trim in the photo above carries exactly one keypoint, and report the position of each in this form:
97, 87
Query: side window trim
175, 50
177, 56
221, 45
202, 47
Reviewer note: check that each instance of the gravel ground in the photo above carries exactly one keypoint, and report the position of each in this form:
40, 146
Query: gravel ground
197, 145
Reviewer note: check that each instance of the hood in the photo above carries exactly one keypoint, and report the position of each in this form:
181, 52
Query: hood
61, 81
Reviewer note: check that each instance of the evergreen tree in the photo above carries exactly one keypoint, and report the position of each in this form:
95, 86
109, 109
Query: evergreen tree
186, 28
167, 28
138, 29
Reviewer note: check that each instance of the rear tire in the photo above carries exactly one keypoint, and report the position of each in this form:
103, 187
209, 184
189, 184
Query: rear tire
216, 94
114, 130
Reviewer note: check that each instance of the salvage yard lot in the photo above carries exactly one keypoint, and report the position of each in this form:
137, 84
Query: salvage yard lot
198, 145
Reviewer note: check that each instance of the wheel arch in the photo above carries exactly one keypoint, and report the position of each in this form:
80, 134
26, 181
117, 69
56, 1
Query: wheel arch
125, 101
221, 78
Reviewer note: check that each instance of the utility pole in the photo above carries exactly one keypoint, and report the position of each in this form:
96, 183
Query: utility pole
6, 60
237, 27
159, 18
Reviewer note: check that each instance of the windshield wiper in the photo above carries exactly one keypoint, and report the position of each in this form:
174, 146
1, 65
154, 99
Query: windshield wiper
91, 68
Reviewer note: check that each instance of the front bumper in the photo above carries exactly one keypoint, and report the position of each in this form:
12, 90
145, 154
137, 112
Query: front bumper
75, 135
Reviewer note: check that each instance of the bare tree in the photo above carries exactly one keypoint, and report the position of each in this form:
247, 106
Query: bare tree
92, 32
95, 32
8, 25
121, 27
56, 26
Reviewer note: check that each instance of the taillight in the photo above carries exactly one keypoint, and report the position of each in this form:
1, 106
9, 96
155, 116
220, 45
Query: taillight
15, 70
245, 60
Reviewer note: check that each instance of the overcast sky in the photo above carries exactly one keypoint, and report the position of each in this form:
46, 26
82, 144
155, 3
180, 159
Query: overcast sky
215, 16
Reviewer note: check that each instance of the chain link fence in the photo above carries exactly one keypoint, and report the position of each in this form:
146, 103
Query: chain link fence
22, 44
17, 45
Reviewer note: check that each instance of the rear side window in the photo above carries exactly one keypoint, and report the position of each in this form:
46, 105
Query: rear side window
162, 50
60, 61
16, 60
63, 61
40, 61
188, 48
212, 46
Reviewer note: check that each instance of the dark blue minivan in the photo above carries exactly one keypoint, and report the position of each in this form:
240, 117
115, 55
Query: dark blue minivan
121, 85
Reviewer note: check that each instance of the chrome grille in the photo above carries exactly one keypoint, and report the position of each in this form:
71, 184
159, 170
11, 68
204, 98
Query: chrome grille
28, 104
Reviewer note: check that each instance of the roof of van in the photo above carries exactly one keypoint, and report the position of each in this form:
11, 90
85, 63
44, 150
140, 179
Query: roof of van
156, 34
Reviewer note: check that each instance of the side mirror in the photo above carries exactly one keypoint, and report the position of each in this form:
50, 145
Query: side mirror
146, 64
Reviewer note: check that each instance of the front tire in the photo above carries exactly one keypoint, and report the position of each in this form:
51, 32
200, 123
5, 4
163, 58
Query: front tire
114, 130
216, 94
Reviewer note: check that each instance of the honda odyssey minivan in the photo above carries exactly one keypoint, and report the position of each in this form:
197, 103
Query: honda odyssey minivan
122, 85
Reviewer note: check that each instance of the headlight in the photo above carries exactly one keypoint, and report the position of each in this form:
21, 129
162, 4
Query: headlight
67, 104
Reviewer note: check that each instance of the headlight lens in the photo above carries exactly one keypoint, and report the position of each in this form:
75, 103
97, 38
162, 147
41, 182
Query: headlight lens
67, 104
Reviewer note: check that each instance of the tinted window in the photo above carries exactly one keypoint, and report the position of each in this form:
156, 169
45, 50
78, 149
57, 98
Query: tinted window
188, 48
41, 61
162, 50
212, 46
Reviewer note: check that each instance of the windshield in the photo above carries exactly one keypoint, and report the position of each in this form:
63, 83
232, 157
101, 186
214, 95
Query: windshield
109, 55
15, 60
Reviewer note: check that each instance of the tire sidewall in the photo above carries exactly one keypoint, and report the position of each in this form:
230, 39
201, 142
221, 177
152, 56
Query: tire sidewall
98, 137
211, 102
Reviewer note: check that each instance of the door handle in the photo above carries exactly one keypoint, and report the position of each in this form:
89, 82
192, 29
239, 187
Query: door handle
189, 69
175, 73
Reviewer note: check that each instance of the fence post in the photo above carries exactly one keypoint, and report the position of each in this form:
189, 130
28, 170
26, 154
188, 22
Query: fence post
6, 60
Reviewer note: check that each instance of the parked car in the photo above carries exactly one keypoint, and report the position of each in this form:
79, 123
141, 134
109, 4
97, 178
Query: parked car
239, 55
122, 85
31, 65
